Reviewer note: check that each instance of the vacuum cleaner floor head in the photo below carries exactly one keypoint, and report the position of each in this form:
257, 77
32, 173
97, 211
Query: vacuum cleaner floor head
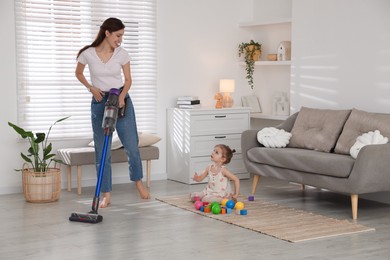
86, 217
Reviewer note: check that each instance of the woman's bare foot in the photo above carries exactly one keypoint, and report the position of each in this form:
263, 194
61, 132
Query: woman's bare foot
143, 192
106, 201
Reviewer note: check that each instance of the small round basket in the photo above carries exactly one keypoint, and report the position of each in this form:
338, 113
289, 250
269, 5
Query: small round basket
40, 187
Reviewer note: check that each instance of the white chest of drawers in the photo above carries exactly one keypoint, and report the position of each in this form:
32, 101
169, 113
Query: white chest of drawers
192, 135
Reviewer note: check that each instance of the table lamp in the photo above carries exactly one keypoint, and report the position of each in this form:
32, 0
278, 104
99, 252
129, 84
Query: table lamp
226, 86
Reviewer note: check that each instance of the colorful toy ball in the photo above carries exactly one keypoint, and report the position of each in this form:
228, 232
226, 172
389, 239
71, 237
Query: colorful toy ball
230, 204
213, 204
223, 202
216, 209
239, 205
251, 198
198, 204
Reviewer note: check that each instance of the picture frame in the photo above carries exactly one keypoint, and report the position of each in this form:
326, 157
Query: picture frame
252, 102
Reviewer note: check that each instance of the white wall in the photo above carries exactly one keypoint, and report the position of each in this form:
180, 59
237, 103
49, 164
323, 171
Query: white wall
341, 53
197, 43
10, 149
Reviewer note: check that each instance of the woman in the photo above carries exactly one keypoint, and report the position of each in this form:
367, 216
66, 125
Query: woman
106, 62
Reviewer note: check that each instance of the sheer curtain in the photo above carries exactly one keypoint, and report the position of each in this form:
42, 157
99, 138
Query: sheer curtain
49, 33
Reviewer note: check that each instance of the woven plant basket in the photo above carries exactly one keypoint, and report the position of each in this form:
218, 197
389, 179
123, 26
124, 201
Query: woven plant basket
41, 187
256, 54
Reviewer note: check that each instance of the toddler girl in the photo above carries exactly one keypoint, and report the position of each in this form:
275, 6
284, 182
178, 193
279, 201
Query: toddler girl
218, 186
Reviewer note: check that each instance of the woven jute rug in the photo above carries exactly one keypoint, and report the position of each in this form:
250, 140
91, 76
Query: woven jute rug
278, 221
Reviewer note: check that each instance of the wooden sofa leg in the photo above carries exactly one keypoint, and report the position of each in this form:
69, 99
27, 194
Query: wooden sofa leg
354, 204
69, 173
79, 179
148, 166
256, 179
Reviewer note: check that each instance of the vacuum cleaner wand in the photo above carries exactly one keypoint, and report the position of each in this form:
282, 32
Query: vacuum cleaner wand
108, 125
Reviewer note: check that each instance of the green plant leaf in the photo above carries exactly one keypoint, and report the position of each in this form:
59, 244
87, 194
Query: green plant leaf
47, 150
40, 137
48, 156
61, 119
25, 158
40, 161
58, 161
24, 134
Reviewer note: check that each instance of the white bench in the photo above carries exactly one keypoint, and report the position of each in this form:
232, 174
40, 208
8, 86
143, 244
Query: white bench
86, 156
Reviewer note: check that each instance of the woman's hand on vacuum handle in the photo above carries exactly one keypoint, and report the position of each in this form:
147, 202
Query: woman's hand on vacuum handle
121, 100
97, 93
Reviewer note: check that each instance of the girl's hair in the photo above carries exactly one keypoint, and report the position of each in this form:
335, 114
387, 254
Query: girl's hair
111, 25
227, 153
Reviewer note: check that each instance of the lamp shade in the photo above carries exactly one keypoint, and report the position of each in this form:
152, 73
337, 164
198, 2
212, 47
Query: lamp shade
226, 85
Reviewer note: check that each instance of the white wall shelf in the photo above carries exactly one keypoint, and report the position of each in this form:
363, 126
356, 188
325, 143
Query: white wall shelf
270, 63
271, 78
263, 23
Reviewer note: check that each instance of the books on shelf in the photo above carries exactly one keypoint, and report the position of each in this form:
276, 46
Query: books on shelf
188, 102
189, 106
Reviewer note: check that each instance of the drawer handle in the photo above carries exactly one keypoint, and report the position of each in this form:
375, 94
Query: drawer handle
220, 116
220, 137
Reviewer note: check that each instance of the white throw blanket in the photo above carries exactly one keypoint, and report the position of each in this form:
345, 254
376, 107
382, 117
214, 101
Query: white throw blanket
372, 137
273, 137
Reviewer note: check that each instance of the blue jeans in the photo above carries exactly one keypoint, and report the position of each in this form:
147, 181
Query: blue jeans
127, 132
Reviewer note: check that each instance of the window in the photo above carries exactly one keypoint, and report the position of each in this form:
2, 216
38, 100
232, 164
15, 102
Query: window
49, 33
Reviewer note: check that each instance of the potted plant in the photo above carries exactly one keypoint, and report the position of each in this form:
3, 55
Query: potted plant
41, 183
251, 51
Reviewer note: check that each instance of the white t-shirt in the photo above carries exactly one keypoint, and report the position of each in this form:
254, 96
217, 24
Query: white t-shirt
105, 76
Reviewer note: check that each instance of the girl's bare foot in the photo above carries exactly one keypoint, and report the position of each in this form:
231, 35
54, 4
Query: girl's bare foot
106, 200
143, 192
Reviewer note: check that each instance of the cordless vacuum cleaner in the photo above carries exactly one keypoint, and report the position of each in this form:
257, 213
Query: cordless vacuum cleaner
108, 125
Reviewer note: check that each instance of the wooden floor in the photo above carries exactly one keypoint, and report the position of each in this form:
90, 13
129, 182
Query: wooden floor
137, 229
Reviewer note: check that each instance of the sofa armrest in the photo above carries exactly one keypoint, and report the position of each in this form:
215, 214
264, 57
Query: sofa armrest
371, 171
248, 141
249, 137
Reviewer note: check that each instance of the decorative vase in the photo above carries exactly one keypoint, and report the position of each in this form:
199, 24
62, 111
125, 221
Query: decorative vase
41, 186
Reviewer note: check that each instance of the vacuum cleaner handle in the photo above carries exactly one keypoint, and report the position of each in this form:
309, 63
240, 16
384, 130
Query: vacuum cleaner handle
109, 122
96, 198
108, 125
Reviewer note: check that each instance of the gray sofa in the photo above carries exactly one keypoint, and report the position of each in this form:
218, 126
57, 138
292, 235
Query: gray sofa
318, 153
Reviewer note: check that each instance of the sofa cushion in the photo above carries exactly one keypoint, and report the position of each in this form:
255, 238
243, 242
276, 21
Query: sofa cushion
304, 160
370, 138
360, 122
318, 129
273, 137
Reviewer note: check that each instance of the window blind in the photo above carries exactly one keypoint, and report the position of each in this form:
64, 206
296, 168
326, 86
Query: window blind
49, 34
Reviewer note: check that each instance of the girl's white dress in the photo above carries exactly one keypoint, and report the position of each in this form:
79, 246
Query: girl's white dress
218, 187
